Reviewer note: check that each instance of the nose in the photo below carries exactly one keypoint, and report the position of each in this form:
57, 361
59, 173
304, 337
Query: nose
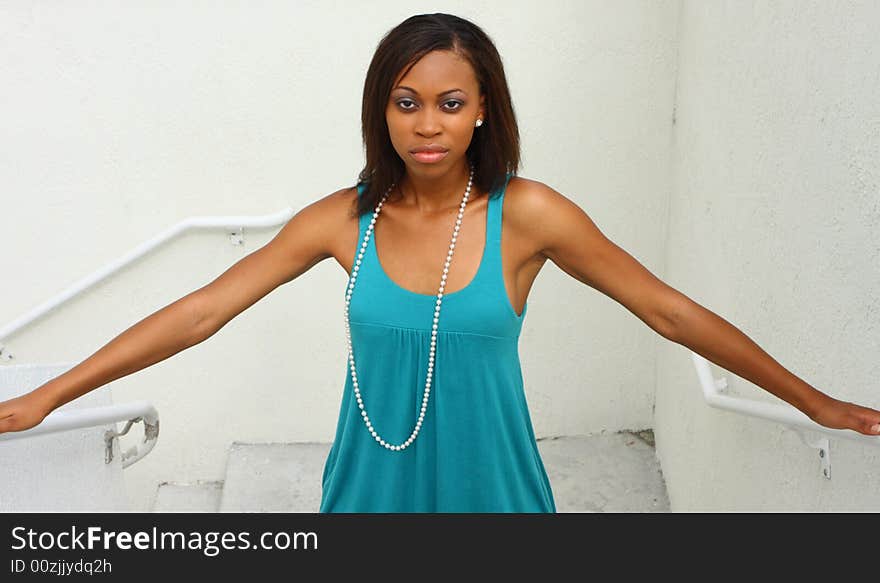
427, 122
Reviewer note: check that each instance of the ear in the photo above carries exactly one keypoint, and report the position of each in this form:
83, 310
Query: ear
482, 106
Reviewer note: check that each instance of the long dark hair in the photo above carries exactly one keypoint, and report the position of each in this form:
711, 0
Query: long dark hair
494, 149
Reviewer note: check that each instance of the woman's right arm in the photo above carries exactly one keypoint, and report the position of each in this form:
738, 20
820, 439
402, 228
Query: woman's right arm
305, 241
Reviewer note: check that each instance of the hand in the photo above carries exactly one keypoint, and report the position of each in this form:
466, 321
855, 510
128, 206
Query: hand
23, 412
837, 414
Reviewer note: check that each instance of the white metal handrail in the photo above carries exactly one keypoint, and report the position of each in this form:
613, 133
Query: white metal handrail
786, 414
224, 222
95, 416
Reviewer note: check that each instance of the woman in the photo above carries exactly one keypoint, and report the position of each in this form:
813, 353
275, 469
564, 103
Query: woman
433, 417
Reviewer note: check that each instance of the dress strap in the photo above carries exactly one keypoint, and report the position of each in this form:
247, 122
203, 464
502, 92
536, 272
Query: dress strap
364, 219
496, 202
494, 265
363, 224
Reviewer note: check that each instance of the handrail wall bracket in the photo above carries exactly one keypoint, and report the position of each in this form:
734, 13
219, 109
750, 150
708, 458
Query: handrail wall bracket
237, 237
136, 452
821, 444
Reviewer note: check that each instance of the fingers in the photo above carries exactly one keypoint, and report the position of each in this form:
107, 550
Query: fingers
867, 425
863, 420
870, 420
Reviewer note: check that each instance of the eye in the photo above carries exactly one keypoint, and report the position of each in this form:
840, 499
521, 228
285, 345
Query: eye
400, 103
456, 102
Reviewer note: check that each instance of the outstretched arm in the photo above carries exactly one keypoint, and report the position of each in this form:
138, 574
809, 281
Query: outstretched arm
303, 242
572, 241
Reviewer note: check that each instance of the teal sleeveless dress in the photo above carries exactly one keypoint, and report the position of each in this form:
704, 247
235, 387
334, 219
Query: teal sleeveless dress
476, 449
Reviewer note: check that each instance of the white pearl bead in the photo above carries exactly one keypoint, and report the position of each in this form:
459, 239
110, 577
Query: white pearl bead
348, 295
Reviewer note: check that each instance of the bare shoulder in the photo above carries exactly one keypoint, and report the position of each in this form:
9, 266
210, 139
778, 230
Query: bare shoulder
541, 214
336, 205
313, 230
335, 216
524, 193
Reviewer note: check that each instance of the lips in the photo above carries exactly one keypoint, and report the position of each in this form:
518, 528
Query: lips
429, 153
430, 148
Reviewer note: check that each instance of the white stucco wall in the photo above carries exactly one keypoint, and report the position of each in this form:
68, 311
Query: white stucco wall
119, 121
774, 226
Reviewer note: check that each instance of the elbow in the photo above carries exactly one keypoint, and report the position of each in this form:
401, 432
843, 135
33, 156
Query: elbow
672, 312
665, 327
201, 322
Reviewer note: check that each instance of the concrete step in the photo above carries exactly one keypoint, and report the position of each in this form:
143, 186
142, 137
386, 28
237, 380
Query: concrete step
200, 496
605, 472
274, 477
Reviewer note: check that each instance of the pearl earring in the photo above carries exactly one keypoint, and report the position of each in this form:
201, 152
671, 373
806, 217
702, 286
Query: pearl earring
479, 122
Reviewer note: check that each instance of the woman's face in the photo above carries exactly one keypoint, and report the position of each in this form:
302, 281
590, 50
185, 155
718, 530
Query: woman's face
437, 104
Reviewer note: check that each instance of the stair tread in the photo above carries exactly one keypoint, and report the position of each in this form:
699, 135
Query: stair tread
274, 477
605, 472
203, 496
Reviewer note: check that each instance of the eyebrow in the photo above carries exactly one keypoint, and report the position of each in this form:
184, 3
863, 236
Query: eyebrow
438, 95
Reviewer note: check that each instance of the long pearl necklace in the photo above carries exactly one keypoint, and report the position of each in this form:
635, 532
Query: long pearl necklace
351, 283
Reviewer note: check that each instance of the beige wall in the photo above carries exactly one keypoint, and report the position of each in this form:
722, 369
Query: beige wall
774, 226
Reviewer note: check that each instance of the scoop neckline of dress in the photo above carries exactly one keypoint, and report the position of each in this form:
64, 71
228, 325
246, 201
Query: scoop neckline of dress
445, 294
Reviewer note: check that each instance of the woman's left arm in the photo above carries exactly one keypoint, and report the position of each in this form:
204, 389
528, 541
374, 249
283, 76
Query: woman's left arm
718, 340
566, 235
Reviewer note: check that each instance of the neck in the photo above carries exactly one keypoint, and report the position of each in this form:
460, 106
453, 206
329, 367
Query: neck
429, 194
